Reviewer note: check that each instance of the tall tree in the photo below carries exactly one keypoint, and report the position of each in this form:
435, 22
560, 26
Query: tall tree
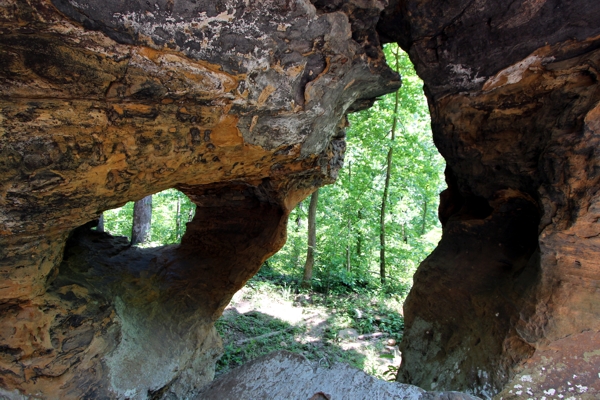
100, 226
171, 210
142, 218
178, 217
350, 210
349, 228
312, 240
386, 186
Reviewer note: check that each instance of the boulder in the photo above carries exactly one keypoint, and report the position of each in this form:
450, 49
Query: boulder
285, 375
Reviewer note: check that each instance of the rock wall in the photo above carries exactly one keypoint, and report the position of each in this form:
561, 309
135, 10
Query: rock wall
509, 300
239, 104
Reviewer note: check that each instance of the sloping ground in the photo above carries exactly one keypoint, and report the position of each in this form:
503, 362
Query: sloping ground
285, 375
263, 318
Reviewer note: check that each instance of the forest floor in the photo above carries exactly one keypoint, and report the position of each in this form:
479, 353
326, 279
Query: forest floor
362, 330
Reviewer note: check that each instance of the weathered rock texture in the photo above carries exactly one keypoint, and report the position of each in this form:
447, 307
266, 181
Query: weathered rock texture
285, 375
239, 104
510, 300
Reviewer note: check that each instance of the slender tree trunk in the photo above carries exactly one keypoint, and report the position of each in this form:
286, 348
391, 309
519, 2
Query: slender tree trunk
100, 226
312, 240
299, 217
382, 265
142, 217
359, 238
349, 225
178, 218
424, 217
348, 263
388, 173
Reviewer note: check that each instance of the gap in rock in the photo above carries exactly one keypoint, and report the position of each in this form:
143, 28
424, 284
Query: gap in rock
171, 211
349, 212
348, 315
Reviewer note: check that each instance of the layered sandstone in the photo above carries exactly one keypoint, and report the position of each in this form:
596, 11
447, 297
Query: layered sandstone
241, 105
509, 300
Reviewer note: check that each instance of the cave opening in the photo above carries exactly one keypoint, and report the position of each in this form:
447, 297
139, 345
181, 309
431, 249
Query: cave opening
166, 216
390, 153
389, 149
349, 226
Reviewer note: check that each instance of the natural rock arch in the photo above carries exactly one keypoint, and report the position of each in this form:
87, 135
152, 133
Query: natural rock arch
241, 106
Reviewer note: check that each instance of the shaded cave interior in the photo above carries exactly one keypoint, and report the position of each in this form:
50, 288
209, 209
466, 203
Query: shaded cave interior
513, 282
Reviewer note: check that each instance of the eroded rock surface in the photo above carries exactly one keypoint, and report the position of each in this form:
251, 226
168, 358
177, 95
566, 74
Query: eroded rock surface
509, 301
241, 105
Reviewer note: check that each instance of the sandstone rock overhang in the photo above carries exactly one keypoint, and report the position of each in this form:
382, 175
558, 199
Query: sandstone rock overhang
241, 105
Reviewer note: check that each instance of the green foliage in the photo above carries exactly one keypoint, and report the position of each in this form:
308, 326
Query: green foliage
245, 333
270, 298
348, 212
369, 313
391, 372
118, 221
252, 325
171, 210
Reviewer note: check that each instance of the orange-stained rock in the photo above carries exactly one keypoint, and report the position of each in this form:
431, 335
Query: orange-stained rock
508, 304
241, 105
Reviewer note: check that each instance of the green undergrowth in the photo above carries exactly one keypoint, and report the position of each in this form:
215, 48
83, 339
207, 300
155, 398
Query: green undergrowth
323, 352
260, 320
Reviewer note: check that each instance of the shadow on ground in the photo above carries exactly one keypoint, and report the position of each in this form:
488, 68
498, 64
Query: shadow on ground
262, 319
253, 334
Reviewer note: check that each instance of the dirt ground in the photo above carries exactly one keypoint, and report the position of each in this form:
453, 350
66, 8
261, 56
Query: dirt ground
303, 327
